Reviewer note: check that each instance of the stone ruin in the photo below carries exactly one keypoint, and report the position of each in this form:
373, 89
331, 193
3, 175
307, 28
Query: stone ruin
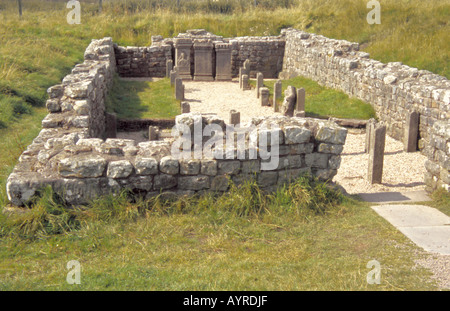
78, 155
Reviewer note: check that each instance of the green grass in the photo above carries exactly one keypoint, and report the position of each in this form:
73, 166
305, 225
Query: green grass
304, 237
321, 102
142, 99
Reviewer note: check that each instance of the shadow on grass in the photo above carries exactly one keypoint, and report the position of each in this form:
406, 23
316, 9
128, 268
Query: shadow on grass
124, 99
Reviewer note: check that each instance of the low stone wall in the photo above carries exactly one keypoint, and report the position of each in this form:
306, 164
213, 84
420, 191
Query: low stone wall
438, 163
81, 168
393, 89
265, 55
76, 111
133, 61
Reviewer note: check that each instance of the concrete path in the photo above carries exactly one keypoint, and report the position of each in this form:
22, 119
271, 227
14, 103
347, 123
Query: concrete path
425, 226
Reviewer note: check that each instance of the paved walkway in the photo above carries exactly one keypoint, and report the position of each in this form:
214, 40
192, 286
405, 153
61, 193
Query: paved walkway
425, 226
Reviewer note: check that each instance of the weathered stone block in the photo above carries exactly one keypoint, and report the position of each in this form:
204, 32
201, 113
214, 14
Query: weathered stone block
229, 167
193, 182
82, 166
146, 166
316, 160
169, 165
189, 167
296, 135
119, 169
164, 181
209, 167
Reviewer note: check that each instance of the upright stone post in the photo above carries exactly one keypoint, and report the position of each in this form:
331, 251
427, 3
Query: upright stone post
153, 133
183, 57
369, 128
376, 153
259, 83
245, 84
223, 61
169, 67
300, 105
246, 67
179, 89
264, 96
185, 107
203, 52
240, 77
411, 132
235, 117
173, 76
276, 94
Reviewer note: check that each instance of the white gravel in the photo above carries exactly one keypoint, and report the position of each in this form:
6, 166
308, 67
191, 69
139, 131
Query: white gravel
221, 97
402, 171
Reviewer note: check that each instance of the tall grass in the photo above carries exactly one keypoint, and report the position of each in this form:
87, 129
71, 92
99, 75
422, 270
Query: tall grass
51, 215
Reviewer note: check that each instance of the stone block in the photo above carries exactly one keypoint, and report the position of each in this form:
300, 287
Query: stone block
193, 182
82, 166
208, 167
164, 181
264, 96
146, 166
119, 169
229, 167
189, 167
169, 165
203, 52
316, 160
296, 135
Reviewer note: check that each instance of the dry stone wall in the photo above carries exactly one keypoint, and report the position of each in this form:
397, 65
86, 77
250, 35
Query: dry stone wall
437, 166
133, 61
76, 111
393, 89
264, 53
82, 168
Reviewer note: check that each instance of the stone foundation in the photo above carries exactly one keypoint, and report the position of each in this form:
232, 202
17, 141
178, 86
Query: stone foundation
73, 154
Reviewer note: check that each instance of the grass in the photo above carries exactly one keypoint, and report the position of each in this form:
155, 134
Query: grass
286, 241
142, 99
321, 102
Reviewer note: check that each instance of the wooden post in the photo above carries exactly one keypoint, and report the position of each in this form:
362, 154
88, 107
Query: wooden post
19, 2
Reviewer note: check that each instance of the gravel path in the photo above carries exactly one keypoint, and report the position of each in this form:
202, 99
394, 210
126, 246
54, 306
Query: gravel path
221, 97
402, 171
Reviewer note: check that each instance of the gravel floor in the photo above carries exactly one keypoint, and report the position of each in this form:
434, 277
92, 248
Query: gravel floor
221, 97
